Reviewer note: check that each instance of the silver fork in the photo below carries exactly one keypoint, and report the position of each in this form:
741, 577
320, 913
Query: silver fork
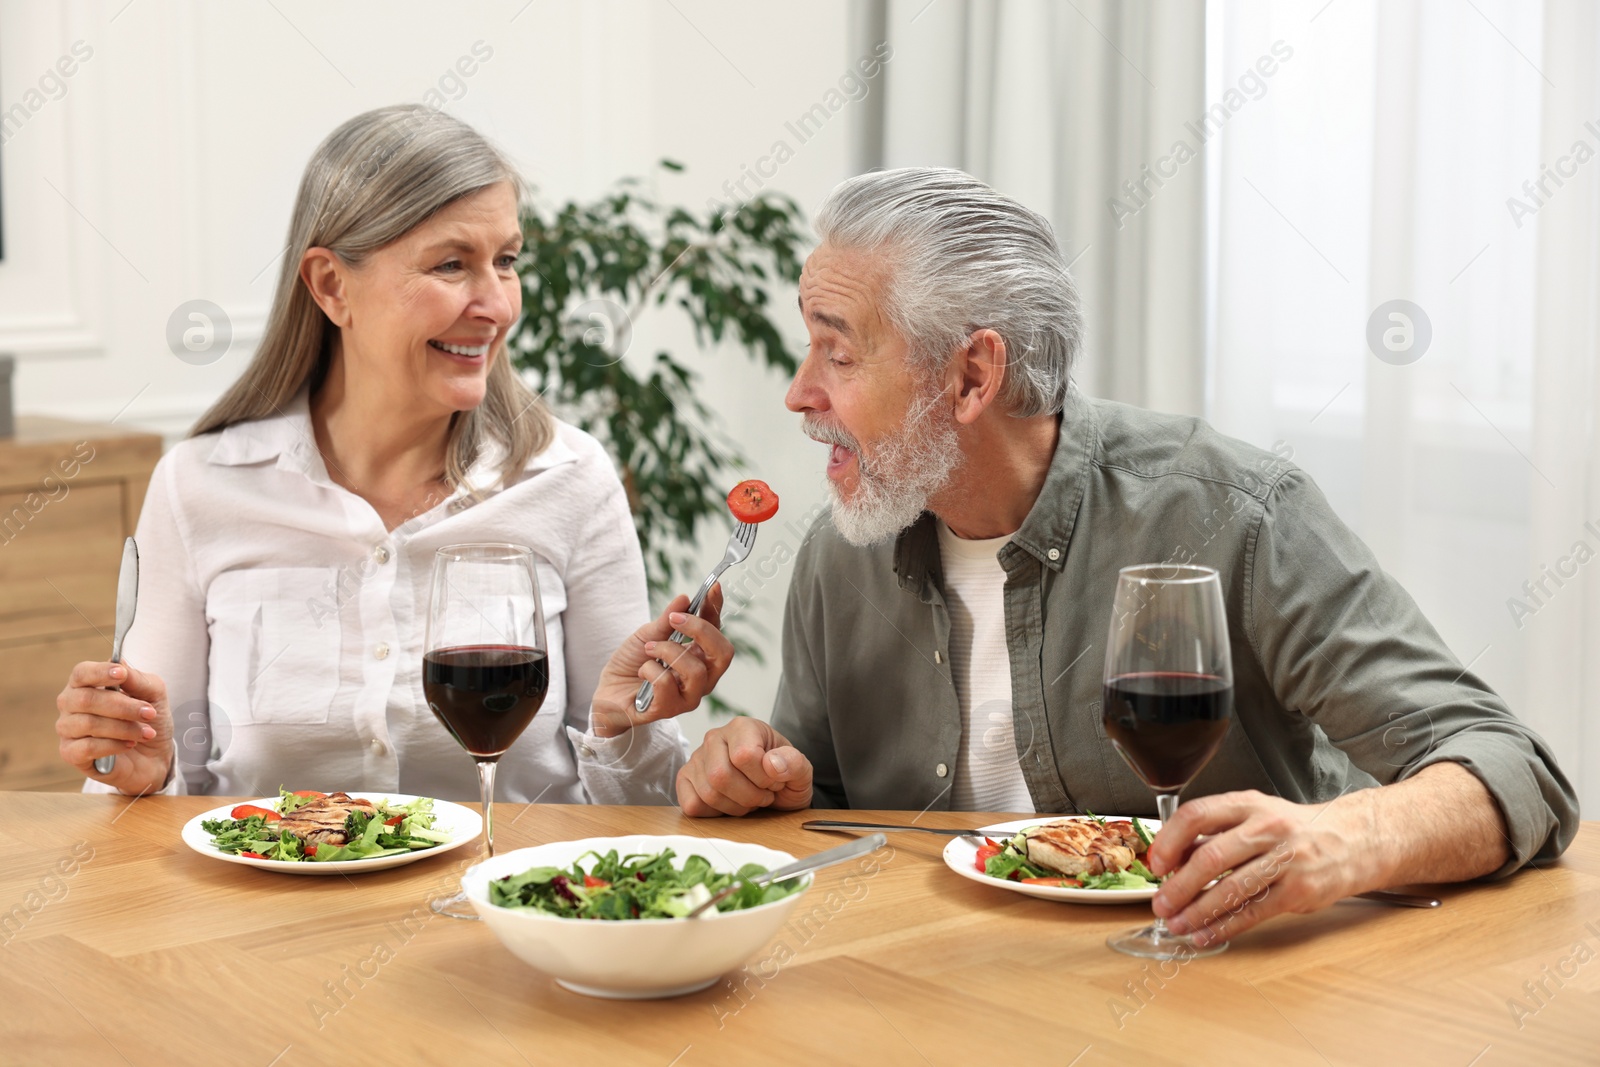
739, 546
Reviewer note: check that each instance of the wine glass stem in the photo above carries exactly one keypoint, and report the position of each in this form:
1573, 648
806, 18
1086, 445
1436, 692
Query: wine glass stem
1166, 807
486, 794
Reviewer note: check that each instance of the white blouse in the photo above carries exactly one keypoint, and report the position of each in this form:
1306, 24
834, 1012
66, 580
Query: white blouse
288, 623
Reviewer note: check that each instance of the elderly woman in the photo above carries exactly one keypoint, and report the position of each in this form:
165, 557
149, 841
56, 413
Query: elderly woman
287, 545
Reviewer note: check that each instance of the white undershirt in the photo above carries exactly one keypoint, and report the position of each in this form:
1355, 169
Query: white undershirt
988, 775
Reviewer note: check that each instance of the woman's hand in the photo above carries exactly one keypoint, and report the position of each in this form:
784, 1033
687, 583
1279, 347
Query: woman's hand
683, 674
134, 725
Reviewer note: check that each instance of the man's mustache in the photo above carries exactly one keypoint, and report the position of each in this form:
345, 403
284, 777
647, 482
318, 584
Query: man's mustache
818, 430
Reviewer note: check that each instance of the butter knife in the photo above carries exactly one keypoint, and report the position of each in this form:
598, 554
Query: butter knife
834, 824
127, 602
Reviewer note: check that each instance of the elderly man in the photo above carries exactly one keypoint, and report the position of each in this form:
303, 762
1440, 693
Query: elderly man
944, 634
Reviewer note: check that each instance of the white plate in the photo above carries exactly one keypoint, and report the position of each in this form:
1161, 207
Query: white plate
961, 856
462, 824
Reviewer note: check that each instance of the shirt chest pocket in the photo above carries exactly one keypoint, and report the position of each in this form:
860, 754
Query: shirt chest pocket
275, 643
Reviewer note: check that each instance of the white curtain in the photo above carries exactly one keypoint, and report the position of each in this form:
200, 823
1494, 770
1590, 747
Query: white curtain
1059, 104
1561, 645
1387, 162
1348, 155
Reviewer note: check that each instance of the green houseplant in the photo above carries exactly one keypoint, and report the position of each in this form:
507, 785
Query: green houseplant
589, 269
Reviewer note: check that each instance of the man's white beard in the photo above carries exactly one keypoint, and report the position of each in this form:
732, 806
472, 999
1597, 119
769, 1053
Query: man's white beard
905, 471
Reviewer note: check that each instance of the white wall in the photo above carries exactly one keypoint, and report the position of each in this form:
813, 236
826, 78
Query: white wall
164, 168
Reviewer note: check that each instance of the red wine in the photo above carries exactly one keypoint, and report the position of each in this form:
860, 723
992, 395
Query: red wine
1167, 725
485, 695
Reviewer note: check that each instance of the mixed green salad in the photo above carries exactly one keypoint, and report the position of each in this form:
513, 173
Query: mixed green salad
633, 887
1008, 859
308, 826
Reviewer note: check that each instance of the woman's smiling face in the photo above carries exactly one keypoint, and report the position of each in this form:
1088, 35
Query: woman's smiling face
427, 313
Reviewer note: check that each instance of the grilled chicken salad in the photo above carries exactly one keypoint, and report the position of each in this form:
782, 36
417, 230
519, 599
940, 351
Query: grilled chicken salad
1087, 853
308, 826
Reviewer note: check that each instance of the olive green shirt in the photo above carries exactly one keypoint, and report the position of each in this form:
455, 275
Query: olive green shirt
1340, 683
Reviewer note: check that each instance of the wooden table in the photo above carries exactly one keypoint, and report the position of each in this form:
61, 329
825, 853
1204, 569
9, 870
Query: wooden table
131, 949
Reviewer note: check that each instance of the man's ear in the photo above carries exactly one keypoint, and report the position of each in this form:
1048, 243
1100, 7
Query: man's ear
980, 370
324, 274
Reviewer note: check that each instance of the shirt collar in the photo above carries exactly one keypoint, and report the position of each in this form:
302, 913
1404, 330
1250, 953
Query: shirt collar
1048, 527
288, 438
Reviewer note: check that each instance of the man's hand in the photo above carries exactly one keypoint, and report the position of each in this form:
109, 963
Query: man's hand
743, 766
683, 674
1439, 825
1284, 857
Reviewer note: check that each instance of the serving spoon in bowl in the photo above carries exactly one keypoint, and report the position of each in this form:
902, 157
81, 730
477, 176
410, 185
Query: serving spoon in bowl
815, 862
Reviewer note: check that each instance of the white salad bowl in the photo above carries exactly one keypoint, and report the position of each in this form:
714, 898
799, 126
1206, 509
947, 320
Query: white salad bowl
633, 959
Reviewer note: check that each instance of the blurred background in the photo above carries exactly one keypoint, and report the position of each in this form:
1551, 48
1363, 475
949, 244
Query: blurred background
1366, 232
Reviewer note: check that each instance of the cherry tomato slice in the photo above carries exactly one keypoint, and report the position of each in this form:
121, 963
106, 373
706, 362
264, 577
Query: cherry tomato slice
986, 853
1072, 882
253, 855
310, 850
753, 501
393, 820
591, 882
244, 811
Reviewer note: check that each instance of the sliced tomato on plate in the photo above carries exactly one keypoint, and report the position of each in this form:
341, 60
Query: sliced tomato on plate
394, 820
753, 501
1058, 881
985, 854
591, 882
253, 855
244, 811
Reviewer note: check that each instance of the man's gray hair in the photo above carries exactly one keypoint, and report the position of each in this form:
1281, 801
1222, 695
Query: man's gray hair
963, 258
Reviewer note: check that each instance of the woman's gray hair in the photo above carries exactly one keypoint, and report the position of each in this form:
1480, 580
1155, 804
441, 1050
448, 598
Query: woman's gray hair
963, 258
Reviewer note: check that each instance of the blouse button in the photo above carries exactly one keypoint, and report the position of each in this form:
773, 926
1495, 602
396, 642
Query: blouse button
382, 651
941, 770
377, 747
1054, 553
381, 553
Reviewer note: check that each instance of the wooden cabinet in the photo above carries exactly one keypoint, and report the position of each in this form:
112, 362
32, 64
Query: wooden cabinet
69, 493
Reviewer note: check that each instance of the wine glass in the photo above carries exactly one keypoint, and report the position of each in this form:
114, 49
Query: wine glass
484, 668
1168, 700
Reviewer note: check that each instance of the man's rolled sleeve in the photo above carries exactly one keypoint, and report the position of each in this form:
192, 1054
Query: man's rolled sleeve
1519, 771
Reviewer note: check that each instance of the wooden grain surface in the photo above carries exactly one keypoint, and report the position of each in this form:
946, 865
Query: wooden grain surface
118, 945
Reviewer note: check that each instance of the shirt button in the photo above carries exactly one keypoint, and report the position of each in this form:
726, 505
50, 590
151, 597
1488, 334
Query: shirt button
381, 651
1054, 553
586, 751
381, 553
938, 657
377, 747
941, 770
